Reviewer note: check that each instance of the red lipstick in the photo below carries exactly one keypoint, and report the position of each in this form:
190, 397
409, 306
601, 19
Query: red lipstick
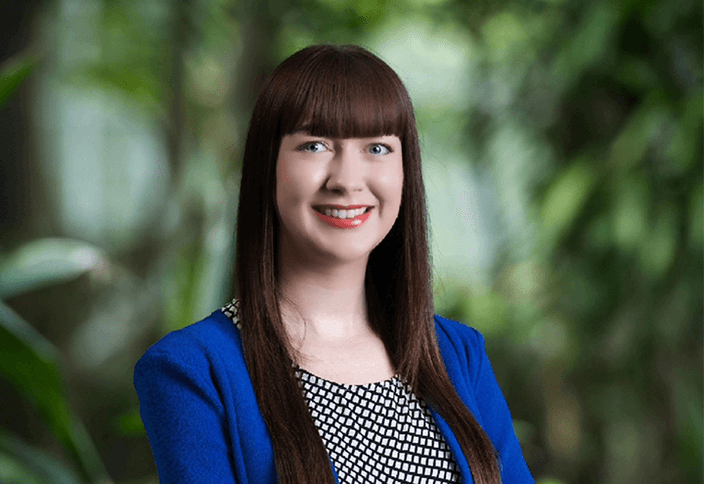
345, 223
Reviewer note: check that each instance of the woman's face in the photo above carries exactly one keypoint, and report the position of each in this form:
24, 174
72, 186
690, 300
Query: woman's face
337, 198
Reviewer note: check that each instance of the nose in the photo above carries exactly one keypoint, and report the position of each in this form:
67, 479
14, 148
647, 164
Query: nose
346, 172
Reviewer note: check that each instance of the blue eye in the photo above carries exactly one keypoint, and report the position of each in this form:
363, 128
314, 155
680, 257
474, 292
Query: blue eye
379, 149
313, 147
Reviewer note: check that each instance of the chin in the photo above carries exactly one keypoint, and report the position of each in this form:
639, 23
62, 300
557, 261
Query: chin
341, 256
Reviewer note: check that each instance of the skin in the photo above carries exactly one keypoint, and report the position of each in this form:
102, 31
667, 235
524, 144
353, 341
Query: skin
322, 268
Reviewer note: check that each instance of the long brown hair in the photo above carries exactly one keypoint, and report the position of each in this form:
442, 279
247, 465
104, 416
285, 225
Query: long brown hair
342, 92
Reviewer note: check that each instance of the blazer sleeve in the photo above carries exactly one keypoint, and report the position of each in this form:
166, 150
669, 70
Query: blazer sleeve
496, 417
184, 418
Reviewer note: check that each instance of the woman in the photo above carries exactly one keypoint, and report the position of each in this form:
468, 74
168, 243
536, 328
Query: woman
335, 369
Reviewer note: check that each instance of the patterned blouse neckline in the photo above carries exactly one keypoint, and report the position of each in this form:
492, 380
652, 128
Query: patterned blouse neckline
384, 383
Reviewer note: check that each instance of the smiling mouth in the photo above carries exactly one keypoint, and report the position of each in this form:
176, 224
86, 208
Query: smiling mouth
349, 217
351, 212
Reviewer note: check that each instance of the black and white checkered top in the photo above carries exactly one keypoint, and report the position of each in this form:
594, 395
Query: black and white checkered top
375, 433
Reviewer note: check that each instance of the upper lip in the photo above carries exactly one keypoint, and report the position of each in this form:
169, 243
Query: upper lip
342, 207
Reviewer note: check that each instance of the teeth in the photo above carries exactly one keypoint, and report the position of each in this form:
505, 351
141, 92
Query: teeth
345, 214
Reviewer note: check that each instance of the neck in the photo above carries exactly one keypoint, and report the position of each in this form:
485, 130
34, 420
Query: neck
323, 301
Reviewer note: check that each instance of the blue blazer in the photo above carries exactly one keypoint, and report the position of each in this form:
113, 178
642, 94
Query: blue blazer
204, 426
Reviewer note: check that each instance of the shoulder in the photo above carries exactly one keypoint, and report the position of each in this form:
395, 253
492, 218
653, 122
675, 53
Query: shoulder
457, 334
205, 343
461, 347
470, 372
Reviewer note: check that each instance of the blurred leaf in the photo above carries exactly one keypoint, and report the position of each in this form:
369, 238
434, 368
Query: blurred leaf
566, 196
12, 73
29, 361
24, 464
525, 431
696, 217
630, 213
632, 142
14, 472
553, 342
485, 312
684, 152
44, 262
587, 43
130, 424
689, 419
135, 58
658, 250
637, 73
135, 83
505, 35
594, 34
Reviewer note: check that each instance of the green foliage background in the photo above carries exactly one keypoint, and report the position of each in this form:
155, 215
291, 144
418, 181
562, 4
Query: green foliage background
562, 142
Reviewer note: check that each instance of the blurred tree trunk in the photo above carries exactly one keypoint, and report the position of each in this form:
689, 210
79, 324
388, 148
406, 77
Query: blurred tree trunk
260, 30
260, 27
175, 123
17, 156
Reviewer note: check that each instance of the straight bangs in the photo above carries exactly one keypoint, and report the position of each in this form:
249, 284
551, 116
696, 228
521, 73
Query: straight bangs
345, 94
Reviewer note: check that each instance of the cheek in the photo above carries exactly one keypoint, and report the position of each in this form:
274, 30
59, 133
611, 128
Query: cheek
391, 184
286, 190
286, 183
296, 182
